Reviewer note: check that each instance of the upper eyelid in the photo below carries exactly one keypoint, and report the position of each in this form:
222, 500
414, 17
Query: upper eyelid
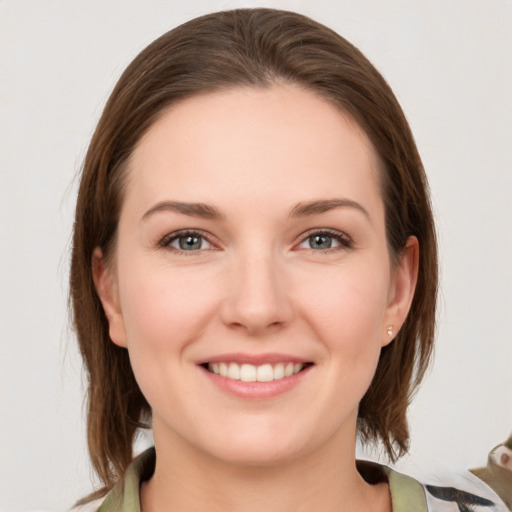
326, 231
165, 240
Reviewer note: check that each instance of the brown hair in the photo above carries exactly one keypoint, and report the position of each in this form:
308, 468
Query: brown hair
247, 47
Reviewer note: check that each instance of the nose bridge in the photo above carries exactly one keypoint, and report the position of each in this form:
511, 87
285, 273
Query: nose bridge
259, 298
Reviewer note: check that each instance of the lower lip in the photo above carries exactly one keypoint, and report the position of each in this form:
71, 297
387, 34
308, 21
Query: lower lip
256, 390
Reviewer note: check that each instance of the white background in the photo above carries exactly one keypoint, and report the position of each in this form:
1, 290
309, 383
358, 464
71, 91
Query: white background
449, 62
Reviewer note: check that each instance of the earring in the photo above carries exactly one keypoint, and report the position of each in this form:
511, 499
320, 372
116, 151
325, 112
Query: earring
390, 330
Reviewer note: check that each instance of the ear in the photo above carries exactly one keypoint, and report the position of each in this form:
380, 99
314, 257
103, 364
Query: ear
107, 290
403, 285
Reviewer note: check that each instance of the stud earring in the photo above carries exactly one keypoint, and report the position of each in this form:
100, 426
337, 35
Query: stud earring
390, 330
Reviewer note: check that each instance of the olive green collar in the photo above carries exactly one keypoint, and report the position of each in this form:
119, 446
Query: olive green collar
407, 494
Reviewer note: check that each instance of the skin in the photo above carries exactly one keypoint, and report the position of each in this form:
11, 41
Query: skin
258, 284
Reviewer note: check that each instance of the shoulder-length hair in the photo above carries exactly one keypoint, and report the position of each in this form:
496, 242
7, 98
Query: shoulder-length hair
255, 48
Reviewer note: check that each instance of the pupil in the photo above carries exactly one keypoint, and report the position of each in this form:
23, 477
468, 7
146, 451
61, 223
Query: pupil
190, 242
321, 242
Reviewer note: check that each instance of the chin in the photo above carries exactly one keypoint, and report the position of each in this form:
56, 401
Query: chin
251, 443
257, 455
265, 444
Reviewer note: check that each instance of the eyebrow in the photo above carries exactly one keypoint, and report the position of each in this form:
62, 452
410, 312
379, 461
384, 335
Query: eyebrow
201, 210
304, 209
205, 211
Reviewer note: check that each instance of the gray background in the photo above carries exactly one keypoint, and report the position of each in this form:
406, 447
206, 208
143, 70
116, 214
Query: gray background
449, 63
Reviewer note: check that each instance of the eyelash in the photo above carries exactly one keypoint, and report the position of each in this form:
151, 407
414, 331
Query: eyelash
344, 240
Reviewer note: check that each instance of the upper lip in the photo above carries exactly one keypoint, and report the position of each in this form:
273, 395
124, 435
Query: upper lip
254, 359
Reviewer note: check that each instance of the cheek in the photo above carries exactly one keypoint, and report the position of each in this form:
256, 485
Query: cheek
164, 313
164, 308
351, 301
348, 316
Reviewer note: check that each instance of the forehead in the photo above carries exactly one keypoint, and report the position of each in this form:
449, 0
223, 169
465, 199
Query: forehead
281, 142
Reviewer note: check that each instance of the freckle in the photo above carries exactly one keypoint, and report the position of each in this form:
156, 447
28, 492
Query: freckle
504, 459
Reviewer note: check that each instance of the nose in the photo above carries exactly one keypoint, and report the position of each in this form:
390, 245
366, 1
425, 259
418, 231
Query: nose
258, 300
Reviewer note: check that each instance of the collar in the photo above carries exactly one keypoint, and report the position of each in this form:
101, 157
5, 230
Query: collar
406, 493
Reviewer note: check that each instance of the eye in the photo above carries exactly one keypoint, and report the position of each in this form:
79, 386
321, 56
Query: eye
186, 241
325, 240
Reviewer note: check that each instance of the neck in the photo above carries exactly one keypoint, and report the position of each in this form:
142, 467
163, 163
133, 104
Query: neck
326, 480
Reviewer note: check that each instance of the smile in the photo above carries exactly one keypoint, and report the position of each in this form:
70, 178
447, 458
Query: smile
252, 373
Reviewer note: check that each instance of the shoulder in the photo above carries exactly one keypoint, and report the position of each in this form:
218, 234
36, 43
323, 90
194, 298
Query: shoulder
434, 492
445, 492
461, 492
124, 496
433, 489
92, 506
498, 472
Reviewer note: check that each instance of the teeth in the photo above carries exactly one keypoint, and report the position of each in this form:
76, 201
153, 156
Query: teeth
233, 371
247, 372
250, 373
265, 373
279, 371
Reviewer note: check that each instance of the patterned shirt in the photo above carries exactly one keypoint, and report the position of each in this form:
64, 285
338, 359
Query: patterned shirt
407, 494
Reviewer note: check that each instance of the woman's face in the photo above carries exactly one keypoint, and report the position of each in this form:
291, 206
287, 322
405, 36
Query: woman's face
252, 284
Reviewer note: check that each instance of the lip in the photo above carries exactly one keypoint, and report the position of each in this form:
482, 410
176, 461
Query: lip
255, 390
254, 359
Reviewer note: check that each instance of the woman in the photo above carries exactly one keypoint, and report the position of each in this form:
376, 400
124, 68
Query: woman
254, 273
